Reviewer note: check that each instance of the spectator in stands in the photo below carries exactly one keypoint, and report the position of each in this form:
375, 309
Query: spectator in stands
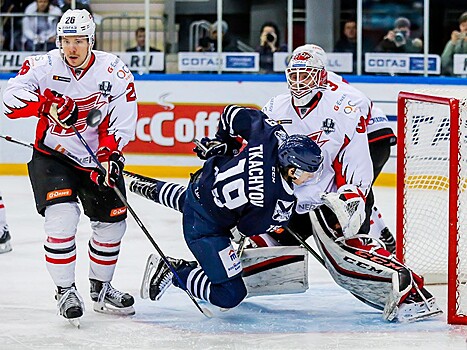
348, 41
140, 37
398, 39
457, 44
13, 26
269, 43
39, 31
80, 5
209, 42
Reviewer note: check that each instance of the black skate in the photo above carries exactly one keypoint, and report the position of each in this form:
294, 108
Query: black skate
108, 300
70, 304
388, 239
5, 244
155, 286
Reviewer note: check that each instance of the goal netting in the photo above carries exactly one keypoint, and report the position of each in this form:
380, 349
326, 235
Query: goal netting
432, 190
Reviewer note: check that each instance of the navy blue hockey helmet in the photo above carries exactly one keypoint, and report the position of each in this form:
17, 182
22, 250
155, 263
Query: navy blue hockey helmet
299, 151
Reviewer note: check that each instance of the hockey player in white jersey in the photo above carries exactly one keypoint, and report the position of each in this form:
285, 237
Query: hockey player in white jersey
334, 210
61, 88
5, 244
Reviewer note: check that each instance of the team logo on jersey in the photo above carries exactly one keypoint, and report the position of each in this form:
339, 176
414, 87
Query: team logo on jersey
105, 88
282, 211
328, 126
59, 78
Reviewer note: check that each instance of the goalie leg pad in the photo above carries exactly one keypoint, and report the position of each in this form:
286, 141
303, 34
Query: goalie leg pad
366, 272
275, 270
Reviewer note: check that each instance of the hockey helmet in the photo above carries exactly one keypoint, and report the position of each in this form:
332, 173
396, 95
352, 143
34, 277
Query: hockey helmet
300, 152
76, 23
306, 73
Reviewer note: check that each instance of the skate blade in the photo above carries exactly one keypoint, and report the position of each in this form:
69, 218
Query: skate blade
412, 315
150, 266
5, 247
74, 322
107, 309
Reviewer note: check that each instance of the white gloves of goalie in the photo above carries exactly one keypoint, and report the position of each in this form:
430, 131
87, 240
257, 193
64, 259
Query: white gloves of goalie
348, 204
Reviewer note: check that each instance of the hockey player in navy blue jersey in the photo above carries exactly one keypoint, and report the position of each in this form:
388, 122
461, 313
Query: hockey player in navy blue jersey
251, 190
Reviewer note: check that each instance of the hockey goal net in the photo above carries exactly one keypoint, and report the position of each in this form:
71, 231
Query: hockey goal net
432, 191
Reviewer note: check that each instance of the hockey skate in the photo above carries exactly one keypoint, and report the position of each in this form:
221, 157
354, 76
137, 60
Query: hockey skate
108, 300
388, 239
70, 304
418, 305
5, 244
157, 277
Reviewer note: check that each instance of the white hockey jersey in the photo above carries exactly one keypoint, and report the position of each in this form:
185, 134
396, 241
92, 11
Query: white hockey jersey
337, 121
378, 124
106, 84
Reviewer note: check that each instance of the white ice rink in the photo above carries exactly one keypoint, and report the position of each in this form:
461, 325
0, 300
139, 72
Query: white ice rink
325, 317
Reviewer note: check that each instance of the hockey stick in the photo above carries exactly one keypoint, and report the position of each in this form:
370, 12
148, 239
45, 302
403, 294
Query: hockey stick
30, 145
95, 115
306, 245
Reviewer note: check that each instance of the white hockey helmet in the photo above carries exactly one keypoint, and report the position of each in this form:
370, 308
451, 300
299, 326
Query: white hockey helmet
306, 73
316, 50
76, 23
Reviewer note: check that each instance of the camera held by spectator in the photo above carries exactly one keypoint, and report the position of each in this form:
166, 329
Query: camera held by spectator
456, 45
398, 39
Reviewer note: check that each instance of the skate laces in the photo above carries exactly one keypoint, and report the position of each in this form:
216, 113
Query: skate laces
109, 292
69, 299
166, 278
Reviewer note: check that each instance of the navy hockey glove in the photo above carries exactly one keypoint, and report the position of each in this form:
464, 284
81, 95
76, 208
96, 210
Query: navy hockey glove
113, 163
216, 147
59, 108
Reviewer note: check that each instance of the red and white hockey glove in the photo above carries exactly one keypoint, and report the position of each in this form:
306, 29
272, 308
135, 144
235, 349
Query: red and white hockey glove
348, 204
113, 163
59, 108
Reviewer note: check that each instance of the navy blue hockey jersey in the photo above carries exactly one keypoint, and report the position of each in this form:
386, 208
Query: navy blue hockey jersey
247, 190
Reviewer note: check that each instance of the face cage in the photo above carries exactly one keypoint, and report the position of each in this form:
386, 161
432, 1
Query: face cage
302, 81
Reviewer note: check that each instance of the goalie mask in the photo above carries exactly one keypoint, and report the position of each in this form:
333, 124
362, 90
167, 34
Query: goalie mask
300, 152
76, 23
306, 74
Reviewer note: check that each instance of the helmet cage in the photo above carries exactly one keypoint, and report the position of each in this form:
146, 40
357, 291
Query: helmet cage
302, 81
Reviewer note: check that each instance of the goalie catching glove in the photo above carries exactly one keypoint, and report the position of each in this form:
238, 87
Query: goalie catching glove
61, 109
216, 147
113, 163
348, 204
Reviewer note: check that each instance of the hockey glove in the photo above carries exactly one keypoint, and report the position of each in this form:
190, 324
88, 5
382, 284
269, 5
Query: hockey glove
348, 204
216, 147
113, 163
59, 108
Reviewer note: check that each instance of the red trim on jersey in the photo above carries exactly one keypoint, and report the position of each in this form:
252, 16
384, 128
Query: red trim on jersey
102, 262
259, 241
108, 245
338, 166
106, 140
60, 261
2, 206
312, 105
83, 71
30, 108
60, 240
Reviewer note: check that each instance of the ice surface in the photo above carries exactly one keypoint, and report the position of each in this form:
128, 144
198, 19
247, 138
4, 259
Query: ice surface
325, 317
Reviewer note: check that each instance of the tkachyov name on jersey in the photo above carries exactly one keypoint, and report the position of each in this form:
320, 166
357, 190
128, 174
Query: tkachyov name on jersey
256, 176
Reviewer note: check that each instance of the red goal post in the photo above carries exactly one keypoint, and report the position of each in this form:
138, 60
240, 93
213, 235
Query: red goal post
431, 204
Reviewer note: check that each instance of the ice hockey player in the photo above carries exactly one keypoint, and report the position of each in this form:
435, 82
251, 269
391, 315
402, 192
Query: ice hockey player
61, 88
334, 209
5, 239
252, 191
379, 133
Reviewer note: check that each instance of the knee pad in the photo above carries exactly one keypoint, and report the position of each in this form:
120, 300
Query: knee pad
108, 232
228, 294
61, 220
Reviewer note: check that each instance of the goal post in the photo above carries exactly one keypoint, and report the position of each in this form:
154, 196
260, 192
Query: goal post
431, 204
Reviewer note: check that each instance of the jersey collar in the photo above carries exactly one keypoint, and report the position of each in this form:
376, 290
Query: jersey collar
303, 111
79, 73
